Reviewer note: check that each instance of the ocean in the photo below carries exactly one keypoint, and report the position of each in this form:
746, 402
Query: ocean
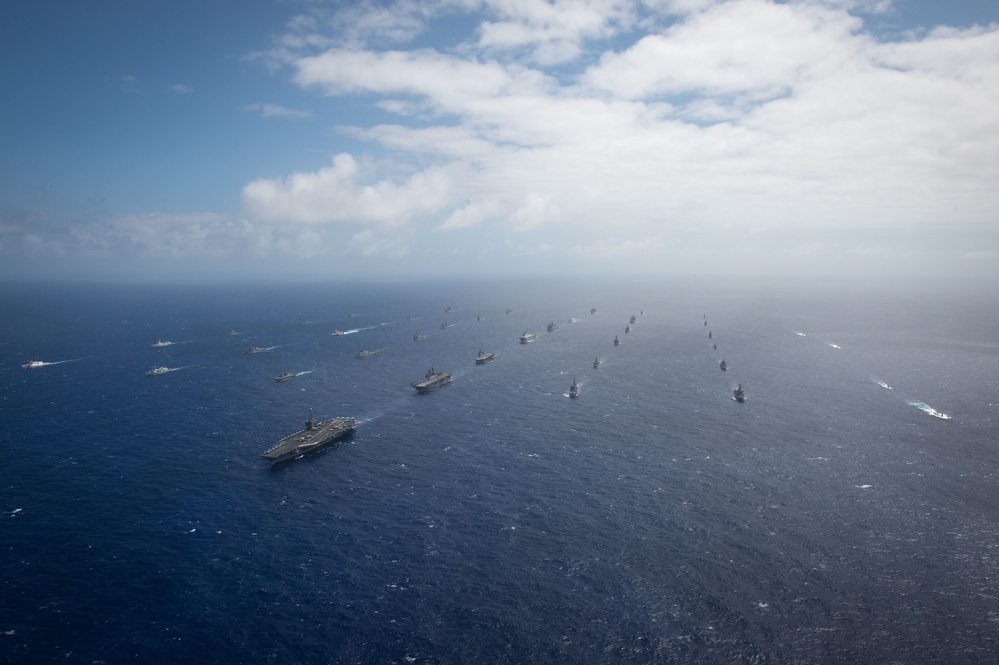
846, 512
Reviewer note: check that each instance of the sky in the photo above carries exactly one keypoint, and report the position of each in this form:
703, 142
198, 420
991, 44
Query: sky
310, 139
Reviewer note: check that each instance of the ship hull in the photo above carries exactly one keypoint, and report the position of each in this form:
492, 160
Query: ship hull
308, 441
430, 385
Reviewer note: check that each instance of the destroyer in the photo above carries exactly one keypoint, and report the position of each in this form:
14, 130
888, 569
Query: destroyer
32, 364
484, 356
574, 389
722, 365
315, 436
158, 344
255, 349
739, 394
432, 381
158, 370
527, 337
284, 376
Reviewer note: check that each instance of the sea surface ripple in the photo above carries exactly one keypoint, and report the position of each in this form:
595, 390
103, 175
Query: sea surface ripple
652, 520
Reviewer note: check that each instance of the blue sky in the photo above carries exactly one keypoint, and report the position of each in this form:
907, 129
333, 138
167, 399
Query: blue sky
300, 138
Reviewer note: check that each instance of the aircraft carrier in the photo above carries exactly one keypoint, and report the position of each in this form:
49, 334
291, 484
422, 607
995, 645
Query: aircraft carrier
432, 381
316, 436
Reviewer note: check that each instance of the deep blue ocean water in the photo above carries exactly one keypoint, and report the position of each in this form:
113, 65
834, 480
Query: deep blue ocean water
828, 519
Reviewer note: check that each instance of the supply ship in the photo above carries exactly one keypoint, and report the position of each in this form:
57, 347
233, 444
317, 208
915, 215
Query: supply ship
432, 381
315, 436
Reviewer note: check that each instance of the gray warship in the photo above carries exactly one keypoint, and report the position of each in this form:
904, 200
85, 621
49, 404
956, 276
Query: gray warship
432, 381
484, 357
315, 436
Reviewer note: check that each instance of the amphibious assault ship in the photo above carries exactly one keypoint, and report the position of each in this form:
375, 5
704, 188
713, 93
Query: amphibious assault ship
432, 381
315, 436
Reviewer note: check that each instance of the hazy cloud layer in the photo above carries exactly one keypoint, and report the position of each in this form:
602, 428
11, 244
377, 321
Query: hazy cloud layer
276, 111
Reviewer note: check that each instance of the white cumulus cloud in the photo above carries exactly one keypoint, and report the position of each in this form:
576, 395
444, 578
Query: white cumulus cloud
338, 193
